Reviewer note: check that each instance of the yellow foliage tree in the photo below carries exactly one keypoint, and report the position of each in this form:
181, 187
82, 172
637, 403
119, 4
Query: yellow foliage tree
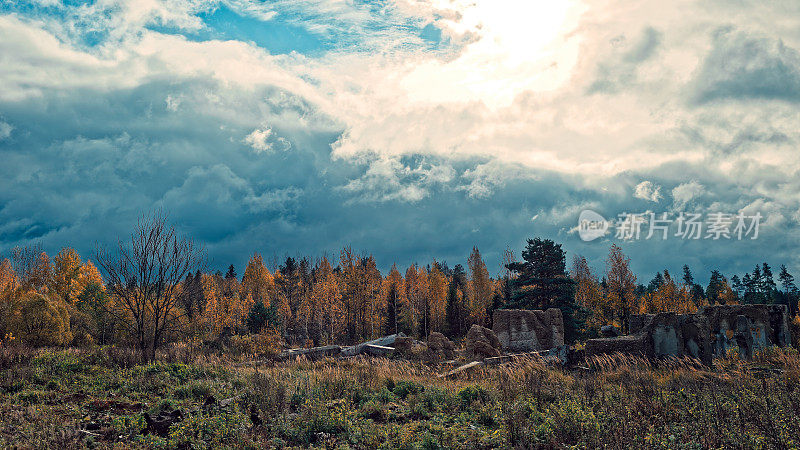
437, 297
481, 287
589, 295
43, 321
621, 286
416, 282
326, 298
223, 306
257, 282
34, 270
66, 267
87, 275
9, 296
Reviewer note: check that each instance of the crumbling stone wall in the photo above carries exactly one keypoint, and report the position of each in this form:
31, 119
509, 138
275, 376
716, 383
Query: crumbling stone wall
522, 330
748, 327
709, 333
665, 334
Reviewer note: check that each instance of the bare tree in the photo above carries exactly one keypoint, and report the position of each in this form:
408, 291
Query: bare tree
144, 275
32, 266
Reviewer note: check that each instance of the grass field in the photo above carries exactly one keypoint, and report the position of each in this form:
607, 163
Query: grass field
96, 399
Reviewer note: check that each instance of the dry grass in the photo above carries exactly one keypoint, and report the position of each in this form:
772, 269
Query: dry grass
616, 401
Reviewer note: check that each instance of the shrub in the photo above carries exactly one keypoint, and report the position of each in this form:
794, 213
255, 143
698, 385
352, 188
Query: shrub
405, 388
43, 322
474, 393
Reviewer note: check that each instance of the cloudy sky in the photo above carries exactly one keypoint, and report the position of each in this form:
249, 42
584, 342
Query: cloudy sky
411, 129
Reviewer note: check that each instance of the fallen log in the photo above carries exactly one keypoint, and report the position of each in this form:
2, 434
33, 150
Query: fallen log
312, 353
378, 350
460, 369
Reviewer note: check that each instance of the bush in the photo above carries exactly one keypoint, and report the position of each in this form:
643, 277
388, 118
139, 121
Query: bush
405, 388
43, 322
264, 345
472, 394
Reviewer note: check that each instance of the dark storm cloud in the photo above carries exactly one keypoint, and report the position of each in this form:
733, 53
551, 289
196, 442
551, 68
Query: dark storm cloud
741, 66
94, 134
619, 70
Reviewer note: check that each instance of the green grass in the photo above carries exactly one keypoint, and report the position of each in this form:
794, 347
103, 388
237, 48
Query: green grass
47, 398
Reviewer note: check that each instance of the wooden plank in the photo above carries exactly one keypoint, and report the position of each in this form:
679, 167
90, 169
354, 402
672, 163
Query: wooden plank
463, 368
378, 350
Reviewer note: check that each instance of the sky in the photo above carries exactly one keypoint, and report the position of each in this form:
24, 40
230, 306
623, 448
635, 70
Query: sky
408, 129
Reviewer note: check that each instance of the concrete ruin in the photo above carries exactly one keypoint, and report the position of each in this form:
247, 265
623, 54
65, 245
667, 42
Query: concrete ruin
481, 343
710, 333
522, 330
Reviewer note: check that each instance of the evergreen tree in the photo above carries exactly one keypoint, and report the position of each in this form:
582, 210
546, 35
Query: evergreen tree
790, 294
688, 278
542, 282
391, 309
749, 286
696, 291
260, 317
655, 283
456, 311
767, 284
715, 286
737, 286
231, 273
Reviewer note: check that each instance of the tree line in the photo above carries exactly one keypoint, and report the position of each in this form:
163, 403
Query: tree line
156, 290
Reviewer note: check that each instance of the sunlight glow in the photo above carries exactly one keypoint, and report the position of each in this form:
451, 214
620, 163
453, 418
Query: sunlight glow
519, 45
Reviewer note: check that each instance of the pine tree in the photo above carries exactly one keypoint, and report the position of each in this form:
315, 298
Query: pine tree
767, 284
231, 273
749, 284
695, 292
542, 282
655, 283
715, 287
456, 312
737, 286
398, 310
789, 295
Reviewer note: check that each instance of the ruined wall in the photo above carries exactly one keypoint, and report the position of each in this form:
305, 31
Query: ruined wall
747, 327
709, 333
659, 336
521, 330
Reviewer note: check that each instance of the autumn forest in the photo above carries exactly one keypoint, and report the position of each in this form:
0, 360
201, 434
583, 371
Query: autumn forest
155, 291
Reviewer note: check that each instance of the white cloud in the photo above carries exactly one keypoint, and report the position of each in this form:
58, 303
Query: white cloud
685, 193
5, 130
388, 179
258, 139
173, 103
646, 190
264, 140
512, 85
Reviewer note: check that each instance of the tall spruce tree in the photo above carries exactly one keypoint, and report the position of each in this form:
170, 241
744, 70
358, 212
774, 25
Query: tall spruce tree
714, 289
231, 274
391, 310
789, 295
455, 314
542, 282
